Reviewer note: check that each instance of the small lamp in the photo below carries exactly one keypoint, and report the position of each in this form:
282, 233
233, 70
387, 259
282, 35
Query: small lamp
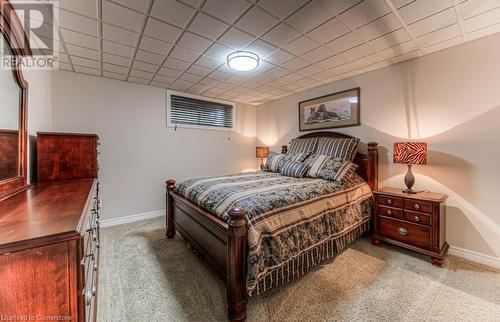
261, 152
410, 153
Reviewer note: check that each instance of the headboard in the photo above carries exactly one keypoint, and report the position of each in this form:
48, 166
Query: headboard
368, 163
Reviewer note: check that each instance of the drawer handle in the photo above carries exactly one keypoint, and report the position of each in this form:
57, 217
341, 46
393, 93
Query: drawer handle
389, 212
417, 206
389, 201
417, 218
402, 231
95, 267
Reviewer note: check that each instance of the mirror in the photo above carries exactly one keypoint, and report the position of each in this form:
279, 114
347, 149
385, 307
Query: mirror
10, 92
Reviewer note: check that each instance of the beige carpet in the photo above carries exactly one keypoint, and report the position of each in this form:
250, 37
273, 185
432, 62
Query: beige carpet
145, 277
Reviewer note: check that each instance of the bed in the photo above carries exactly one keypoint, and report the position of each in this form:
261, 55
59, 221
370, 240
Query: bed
260, 230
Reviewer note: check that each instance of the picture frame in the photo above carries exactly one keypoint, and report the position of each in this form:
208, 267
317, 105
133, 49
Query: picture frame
341, 109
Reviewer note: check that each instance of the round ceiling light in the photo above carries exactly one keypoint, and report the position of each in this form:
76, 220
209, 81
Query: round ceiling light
242, 61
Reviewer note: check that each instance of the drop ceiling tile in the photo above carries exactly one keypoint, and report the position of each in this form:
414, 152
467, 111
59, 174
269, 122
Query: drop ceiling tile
423, 8
344, 43
169, 72
117, 60
301, 45
145, 67
87, 8
324, 75
209, 62
328, 31
164, 79
473, 8
79, 39
194, 42
369, 60
199, 70
198, 89
295, 64
219, 52
442, 45
141, 74
358, 52
379, 27
147, 57
309, 70
77, 22
183, 54
482, 32
207, 26
210, 81
138, 80
88, 71
252, 84
304, 81
227, 10
117, 49
263, 67
236, 38
317, 54
139, 5
235, 81
331, 62
481, 21
364, 13
192, 3
226, 69
82, 52
391, 39
281, 8
439, 36
225, 86
84, 62
119, 35
154, 46
220, 76
399, 49
191, 77
309, 17
256, 22
261, 48
180, 85
338, 6
172, 11
435, 22
115, 68
114, 75
176, 64
278, 72
279, 57
159, 84
281, 35
161, 31
122, 17
214, 91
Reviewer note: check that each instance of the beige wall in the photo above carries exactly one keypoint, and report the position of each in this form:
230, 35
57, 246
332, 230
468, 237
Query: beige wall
450, 99
138, 151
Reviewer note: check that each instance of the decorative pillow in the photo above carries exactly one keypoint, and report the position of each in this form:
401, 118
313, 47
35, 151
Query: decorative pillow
344, 148
294, 169
275, 161
316, 163
333, 169
303, 145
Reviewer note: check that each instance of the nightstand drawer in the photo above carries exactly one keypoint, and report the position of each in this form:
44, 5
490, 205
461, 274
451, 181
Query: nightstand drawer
417, 217
390, 212
390, 201
413, 234
418, 205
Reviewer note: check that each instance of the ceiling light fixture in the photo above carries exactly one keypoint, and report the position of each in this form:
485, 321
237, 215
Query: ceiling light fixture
242, 61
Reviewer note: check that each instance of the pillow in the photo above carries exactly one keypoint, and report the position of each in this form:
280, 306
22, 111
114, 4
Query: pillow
275, 160
303, 145
333, 169
344, 148
294, 169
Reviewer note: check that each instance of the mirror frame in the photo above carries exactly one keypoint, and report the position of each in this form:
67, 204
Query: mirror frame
13, 32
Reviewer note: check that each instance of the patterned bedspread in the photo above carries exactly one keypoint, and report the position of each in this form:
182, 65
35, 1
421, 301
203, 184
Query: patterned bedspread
293, 224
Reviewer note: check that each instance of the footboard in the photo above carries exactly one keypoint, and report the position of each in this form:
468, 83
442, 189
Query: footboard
222, 245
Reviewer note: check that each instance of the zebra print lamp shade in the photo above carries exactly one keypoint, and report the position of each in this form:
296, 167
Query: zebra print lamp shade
410, 153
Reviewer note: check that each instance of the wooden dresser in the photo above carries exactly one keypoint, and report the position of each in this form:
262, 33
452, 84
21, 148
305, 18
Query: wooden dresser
49, 238
413, 221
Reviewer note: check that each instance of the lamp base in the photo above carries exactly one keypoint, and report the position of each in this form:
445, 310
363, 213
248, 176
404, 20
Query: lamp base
410, 191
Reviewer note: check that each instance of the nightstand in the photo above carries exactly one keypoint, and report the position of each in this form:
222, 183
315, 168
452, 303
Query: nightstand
413, 221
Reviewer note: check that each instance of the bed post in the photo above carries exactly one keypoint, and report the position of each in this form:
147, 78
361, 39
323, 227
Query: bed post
170, 209
237, 264
284, 149
372, 167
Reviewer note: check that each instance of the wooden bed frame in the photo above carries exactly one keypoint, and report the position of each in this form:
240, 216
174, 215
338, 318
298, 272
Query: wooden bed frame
223, 245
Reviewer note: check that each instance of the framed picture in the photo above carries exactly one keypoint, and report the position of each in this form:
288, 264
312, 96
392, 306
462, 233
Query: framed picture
330, 111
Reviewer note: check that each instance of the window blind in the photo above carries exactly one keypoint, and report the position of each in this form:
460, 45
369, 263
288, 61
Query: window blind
191, 111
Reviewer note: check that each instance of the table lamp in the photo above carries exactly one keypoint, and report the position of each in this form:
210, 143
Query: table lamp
261, 152
410, 153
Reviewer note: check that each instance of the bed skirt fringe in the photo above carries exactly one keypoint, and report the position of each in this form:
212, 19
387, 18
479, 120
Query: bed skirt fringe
307, 260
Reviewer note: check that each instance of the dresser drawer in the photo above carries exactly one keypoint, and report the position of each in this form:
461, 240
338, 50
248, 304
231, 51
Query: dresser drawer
417, 217
412, 234
418, 205
390, 212
390, 201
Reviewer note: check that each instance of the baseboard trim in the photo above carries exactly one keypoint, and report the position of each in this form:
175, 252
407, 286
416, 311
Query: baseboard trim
132, 218
475, 257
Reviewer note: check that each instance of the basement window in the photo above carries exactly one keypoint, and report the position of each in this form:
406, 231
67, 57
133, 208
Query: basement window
185, 110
